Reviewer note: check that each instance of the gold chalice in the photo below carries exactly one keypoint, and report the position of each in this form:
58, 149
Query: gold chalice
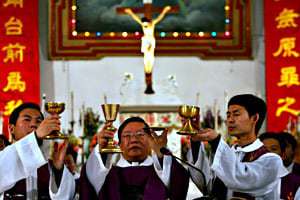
55, 108
110, 112
188, 112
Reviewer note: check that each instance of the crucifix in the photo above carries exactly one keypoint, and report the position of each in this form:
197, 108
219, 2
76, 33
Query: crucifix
148, 39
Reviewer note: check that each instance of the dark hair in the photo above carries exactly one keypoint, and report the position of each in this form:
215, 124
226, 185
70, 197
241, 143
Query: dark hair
253, 105
127, 121
275, 136
145, 19
5, 140
16, 112
289, 138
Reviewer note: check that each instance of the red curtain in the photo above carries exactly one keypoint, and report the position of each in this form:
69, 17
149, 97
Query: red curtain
19, 55
282, 49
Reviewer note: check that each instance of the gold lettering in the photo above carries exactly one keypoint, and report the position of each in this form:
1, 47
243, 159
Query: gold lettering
13, 26
13, 52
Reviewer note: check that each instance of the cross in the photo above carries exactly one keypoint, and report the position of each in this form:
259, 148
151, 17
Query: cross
148, 40
148, 9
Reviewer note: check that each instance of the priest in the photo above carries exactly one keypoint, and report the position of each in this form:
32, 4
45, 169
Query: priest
134, 174
24, 172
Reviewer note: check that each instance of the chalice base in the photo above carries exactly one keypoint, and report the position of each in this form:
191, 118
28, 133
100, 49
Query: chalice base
56, 135
187, 132
111, 149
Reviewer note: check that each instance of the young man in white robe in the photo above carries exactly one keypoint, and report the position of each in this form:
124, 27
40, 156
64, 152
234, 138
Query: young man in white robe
245, 170
24, 172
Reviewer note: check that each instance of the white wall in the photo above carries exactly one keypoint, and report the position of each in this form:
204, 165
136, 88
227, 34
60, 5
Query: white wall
91, 80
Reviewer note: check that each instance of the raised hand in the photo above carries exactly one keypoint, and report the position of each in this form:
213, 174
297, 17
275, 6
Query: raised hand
49, 124
59, 153
104, 135
207, 134
157, 142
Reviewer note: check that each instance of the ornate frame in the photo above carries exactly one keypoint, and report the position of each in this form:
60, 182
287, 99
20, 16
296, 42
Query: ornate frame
66, 43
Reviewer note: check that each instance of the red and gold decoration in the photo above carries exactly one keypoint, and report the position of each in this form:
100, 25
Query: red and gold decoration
67, 42
19, 55
282, 43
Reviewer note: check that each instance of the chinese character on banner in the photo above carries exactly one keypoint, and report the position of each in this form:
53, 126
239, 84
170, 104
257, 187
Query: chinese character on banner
13, 26
13, 52
288, 101
10, 106
287, 18
286, 47
289, 77
15, 3
14, 82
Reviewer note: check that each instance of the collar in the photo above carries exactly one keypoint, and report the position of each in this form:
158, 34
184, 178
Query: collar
249, 148
290, 167
124, 163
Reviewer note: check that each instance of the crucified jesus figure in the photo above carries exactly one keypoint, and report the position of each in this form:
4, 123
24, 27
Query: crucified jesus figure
148, 40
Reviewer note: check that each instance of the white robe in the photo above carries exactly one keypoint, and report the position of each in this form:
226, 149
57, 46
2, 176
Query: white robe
297, 195
260, 178
97, 171
21, 161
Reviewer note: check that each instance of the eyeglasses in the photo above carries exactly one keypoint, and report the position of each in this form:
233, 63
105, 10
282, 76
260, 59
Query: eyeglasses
139, 134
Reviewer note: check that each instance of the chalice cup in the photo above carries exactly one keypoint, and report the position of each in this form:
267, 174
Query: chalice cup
55, 108
188, 112
110, 112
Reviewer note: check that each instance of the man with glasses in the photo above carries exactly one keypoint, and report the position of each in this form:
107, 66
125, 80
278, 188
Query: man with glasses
135, 174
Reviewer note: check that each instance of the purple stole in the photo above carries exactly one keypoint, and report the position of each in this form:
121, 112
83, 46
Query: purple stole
18, 191
290, 183
219, 190
137, 183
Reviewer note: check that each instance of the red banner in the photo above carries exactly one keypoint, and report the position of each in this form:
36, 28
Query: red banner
282, 44
19, 55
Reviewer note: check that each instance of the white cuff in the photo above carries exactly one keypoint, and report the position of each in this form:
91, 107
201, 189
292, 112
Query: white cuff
66, 190
30, 153
95, 169
164, 172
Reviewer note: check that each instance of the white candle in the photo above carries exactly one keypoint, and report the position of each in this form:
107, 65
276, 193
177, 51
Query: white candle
197, 99
215, 110
72, 106
43, 103
226, 100
82, 119
1, 122
105, 99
